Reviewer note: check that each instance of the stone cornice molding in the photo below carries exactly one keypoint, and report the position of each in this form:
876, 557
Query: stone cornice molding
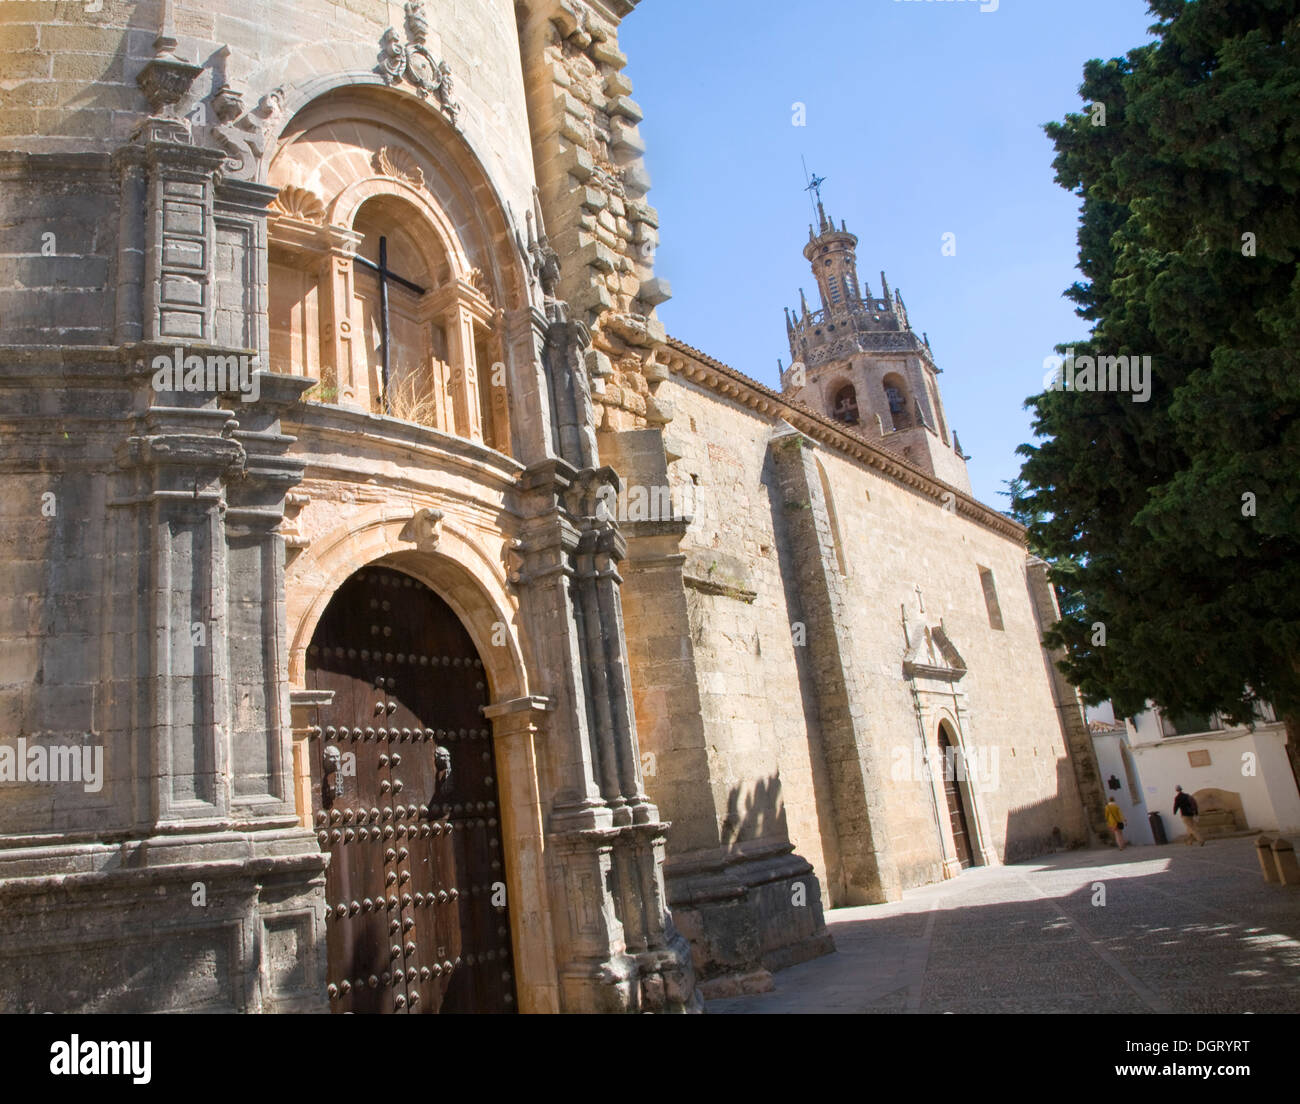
698, 367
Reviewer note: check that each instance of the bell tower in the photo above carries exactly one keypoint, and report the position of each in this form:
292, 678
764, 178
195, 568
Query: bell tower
856, 359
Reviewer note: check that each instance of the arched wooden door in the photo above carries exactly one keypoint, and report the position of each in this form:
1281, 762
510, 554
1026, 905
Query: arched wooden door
405, 801
953, 772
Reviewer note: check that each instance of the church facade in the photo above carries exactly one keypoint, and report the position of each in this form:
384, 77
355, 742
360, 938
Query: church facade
395, 618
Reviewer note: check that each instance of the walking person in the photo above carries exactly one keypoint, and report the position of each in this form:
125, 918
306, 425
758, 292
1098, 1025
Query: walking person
1185, 806
1115, 822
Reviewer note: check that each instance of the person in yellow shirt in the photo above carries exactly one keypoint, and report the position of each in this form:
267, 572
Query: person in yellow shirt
1115, 822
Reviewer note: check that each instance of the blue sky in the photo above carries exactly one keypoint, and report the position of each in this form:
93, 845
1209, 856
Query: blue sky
925, 118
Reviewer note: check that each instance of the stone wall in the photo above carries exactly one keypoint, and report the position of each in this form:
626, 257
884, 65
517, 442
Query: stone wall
71, 74
778, 773
593, 181
140, 137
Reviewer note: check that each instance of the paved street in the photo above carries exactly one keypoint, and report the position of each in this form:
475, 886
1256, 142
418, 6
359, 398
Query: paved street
1182, 930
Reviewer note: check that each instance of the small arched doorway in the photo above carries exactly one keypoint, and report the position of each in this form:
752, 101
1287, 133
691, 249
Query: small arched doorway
954, 774
405, 800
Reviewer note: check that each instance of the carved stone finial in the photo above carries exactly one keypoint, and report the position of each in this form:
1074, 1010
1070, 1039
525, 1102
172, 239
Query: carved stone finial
546, 261
423, 529
417, 23
166, 79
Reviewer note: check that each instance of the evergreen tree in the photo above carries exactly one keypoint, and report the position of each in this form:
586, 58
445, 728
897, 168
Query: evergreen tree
1176, 521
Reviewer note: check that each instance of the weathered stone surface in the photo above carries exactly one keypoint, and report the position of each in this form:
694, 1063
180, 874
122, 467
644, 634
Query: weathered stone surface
637, 562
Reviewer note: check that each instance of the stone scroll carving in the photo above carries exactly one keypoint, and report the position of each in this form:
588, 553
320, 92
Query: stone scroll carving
244, 135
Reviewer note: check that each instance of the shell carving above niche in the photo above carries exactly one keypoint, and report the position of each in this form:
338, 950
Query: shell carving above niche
299, 203
399, 164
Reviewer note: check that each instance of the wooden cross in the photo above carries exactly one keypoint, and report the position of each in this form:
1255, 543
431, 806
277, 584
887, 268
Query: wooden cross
385, 275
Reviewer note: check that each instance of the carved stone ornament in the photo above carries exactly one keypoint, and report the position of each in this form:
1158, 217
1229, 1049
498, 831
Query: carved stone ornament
414, 63
299, 203
165, 80
513, 554
244, 134
931, 655
423, 529
227, 104
398, 163
480, 283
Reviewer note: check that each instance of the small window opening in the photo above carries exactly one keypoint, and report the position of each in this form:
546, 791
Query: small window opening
991, 599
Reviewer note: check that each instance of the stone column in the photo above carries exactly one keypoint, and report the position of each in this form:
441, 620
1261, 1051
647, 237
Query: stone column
305, 707
617, 950
179, 461
969, 749
256, 635
518, 727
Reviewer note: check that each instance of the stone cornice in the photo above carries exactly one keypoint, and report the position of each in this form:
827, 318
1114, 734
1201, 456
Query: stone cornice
324, 424
698, 367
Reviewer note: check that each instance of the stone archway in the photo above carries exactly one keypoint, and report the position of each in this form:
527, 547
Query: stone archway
435, 336
462, 576
405, 801
961, 812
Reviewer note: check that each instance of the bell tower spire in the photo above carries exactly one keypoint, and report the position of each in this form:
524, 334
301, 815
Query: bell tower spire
833, 256
862, 363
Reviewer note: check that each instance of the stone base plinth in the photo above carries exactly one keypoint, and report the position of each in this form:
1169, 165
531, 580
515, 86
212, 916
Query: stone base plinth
220, 922
746, 913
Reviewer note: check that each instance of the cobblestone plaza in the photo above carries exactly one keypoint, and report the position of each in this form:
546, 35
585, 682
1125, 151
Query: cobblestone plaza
1182, 930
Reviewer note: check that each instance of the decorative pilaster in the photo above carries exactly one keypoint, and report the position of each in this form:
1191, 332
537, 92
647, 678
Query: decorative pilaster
618, 949
861, 868
519, 729
254, 622
181, 460
180, 243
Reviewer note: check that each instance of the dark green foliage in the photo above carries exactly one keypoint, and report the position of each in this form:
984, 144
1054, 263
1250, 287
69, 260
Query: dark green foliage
1142, 508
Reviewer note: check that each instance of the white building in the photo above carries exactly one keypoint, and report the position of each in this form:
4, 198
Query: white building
1240, 775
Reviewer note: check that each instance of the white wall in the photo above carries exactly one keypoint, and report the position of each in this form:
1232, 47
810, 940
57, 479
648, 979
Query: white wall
1268, 796
1110, 761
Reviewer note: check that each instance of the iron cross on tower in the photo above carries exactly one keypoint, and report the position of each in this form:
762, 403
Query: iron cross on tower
382, 271
814, 189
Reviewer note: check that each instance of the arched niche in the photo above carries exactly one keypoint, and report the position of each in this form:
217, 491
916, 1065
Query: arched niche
416, 332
